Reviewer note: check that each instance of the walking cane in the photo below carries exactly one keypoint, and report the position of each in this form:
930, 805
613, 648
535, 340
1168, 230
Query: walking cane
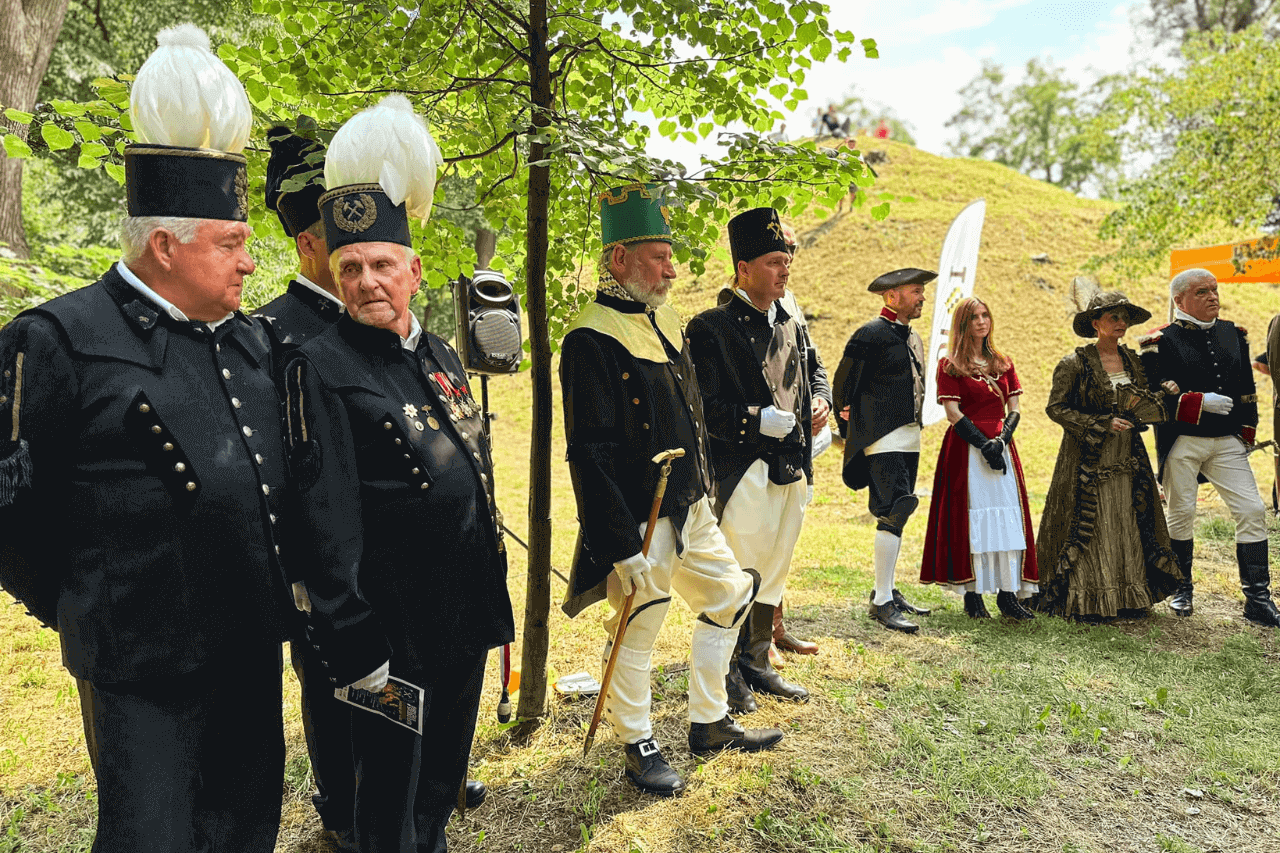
665, 458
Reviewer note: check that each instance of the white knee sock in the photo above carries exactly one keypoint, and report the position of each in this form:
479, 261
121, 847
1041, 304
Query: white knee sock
886, 550
627, 706
709, 656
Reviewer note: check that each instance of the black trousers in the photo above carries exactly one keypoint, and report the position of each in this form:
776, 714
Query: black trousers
406, 785
189, 763
326, 722
893, 477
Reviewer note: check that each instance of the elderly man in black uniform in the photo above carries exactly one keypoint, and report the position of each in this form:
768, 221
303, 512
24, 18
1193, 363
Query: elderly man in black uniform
630, 394
1210, 429
395, 526
880, 389
141, 409
758, 390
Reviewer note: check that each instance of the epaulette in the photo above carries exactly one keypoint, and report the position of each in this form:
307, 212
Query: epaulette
1148, 342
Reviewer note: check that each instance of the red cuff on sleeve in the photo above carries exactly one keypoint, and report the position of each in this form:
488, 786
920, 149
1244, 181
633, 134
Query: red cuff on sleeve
1189, 405
1249, 434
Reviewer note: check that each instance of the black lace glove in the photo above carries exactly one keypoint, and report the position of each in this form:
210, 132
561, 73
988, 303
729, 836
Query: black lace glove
992, 449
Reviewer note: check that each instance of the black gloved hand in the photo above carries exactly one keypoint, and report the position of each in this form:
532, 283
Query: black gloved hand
992, 449
1010, 424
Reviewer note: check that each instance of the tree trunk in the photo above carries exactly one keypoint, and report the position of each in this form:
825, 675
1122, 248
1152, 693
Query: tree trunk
486, 246
537, 602
28, 30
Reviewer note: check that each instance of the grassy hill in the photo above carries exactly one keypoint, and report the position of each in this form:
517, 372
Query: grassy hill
1143, 735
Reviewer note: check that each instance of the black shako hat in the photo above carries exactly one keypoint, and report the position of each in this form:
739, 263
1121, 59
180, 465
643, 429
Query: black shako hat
362, 213
755, 232
199, 183
897, 278
292, 158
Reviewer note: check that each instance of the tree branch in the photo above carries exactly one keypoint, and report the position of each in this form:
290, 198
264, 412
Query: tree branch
485, 153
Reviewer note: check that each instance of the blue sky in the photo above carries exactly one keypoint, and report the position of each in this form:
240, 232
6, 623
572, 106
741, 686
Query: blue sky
930, 48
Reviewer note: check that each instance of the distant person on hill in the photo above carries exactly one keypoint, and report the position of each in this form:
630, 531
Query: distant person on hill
879, 389
779, 135
1103, 548
882, 129
831, 124
1209, 431
979, 536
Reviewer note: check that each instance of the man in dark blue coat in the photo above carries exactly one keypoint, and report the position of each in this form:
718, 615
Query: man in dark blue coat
879, 386
404, 567
140, 411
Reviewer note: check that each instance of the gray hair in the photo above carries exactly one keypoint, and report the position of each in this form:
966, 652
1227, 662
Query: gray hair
136, 231
1186, 278
409, 255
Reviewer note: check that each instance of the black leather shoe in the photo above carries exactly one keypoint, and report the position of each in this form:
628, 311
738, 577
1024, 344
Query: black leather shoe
1180, 602
891, 617
975, 606
754, 664
340, 841
905, 606
705, 738
1010, 606
476, 793
649, 771
741, 699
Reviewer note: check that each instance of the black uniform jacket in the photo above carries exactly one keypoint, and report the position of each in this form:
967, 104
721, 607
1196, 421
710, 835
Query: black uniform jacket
395, 526
729, 345
156, 465
620, 410
297, 315
876, 382
1201, 361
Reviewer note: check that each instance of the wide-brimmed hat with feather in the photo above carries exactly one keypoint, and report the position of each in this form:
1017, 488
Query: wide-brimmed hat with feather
1092, 302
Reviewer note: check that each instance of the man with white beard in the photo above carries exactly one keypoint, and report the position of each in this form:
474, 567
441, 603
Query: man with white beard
629, 395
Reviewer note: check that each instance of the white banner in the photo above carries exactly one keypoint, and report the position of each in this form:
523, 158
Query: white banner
957, 269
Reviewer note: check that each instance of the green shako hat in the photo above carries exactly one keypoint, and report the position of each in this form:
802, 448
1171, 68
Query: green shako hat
633, 213
756, 232
897, 278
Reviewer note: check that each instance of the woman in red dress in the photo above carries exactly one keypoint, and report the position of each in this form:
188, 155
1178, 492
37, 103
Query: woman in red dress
979, 537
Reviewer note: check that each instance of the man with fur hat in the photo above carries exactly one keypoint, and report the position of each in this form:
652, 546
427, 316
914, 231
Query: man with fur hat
1209, 432
629, 394
141, 408
395, 528
758, 391
879, 387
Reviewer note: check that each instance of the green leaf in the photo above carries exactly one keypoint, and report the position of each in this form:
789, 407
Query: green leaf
88, 131
56, 138
94, 149
70, 109
18, 116
880, 212
116, 171
666, 127
87, 162
16, 147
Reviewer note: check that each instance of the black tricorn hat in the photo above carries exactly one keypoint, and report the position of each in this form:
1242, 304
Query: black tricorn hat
755, 232
362, 213
897, 278
1101, 303
291, 159
198, 183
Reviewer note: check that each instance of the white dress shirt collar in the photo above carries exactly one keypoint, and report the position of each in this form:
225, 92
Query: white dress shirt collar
159, 301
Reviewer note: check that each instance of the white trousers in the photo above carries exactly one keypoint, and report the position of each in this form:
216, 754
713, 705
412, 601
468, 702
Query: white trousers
710, 581
761, 523
1224, 463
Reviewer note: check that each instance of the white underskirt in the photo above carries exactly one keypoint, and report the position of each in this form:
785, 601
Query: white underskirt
997, 542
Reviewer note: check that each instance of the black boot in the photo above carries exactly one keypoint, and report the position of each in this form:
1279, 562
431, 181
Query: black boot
907, 607
1255, 582
1180, 603
477, 793
741, 699
705, 738
1010, 606
891, 617
974, 606
756, 669
649, 771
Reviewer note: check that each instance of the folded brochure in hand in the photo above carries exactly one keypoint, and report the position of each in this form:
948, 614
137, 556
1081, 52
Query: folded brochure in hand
399, 701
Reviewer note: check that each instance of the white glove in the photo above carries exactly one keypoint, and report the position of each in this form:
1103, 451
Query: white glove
374, 681
1217, 404
776, 423
809, 497
634, 572
301, 600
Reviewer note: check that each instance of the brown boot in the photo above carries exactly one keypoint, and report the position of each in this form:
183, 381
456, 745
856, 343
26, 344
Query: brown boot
786, 641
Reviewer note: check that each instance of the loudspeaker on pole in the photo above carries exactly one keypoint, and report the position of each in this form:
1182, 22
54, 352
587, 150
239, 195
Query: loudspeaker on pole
487, 311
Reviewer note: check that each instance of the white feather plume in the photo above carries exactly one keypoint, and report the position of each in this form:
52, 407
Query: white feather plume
184, 96
387, 144
1083, 289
